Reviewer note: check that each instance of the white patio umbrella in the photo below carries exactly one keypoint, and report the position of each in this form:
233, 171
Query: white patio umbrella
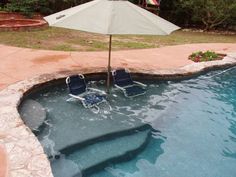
111, 17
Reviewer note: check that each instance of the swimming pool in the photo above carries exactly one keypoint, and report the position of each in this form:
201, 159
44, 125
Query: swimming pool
184, 128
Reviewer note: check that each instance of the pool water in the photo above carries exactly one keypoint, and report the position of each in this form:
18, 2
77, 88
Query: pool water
184, 128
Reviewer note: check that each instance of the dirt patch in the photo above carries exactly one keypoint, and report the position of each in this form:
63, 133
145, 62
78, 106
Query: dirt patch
49, 59
80, 47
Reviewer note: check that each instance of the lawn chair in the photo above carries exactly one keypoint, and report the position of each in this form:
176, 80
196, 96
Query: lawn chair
89, 97
123, 81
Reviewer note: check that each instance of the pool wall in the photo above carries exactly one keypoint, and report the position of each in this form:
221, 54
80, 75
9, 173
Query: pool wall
25, 154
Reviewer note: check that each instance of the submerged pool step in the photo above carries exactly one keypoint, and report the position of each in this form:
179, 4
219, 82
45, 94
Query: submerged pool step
97, 156
105, 137
69, 135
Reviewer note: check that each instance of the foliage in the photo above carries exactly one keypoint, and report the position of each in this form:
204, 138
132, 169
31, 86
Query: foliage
27, 7
205, 56
2, 3
58, 5
211, 13
167, 10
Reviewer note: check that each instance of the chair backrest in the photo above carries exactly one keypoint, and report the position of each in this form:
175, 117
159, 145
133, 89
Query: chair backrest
76, 84
122, 78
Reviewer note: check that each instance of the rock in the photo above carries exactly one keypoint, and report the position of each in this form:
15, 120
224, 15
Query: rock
32, 113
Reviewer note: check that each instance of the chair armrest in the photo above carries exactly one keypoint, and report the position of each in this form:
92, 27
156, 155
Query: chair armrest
77, 97
139, 83
113, 72
97, 90
117, 86
67, 80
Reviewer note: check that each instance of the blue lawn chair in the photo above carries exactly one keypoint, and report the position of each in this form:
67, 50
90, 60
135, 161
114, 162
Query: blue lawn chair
89, 97
123, 81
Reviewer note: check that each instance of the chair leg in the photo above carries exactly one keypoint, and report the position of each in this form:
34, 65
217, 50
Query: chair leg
70, 99
95, 109
105, 106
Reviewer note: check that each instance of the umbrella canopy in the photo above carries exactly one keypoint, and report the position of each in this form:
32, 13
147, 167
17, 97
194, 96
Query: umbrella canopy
111, 17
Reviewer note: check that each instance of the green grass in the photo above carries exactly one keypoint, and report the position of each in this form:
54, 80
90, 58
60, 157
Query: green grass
131, 44
64, 47
71, 40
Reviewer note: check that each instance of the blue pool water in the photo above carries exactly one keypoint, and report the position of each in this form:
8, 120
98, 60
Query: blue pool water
192, 133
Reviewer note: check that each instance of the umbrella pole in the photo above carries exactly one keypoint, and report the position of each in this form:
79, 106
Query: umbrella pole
109, 65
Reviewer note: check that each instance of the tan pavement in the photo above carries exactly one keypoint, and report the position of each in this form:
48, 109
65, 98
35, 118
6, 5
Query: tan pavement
20, 63
3, 162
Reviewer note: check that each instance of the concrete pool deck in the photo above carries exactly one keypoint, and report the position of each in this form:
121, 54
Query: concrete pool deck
25, 68
17, 64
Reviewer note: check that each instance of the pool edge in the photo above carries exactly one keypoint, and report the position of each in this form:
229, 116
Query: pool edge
25, 153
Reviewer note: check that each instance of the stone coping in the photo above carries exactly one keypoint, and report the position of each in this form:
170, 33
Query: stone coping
22, 24
3, 162
12, 21
26, 157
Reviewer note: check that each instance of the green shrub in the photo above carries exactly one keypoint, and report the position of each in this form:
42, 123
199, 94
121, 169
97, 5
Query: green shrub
27, 7
209, 14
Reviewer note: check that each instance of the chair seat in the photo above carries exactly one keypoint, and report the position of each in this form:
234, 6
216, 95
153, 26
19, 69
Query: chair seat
134, 90
93, 98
